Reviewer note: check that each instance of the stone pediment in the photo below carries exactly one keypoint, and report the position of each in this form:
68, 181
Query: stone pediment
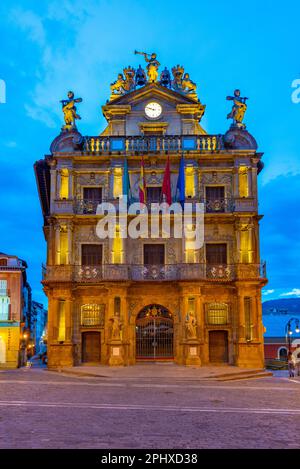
149, 91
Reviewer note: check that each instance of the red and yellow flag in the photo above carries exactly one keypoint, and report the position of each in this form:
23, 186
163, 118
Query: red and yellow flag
142, 184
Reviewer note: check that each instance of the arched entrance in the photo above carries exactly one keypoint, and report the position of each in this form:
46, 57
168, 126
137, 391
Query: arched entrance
154, 333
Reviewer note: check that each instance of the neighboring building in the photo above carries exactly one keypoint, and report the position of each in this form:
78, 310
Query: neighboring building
117, 301
277, 337
15, 304
39, 317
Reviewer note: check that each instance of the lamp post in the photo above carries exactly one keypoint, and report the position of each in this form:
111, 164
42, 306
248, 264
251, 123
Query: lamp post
289, 331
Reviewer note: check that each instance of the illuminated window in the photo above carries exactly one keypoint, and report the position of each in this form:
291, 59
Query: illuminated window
217, 313
118, 186
246, 245
63, 246
61, 321
64, 184
243, 181
117, 254
189, 182
248, 318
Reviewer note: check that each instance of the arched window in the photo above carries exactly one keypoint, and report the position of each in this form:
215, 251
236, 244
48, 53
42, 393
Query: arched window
282, 353
217, 313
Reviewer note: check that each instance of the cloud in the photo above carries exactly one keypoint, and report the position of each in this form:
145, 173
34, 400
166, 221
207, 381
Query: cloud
294, 292
31, 23
268, 292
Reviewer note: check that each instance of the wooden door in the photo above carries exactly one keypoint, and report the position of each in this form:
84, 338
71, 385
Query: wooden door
91, 347
216, 254
218, 346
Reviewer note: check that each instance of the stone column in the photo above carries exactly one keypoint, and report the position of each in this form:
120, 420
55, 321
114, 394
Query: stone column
57, 244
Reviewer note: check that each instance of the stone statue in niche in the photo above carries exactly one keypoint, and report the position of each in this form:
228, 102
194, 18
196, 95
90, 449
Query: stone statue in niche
191, 326
115, 328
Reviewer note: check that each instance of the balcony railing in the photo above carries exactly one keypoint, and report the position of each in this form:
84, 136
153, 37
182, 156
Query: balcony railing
219, 205
152, 144
86, 206
226, 205
157, 272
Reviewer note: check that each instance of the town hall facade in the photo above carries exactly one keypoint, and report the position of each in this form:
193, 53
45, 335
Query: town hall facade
119, 301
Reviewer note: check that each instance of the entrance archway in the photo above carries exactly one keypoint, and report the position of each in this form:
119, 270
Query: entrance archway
154, 333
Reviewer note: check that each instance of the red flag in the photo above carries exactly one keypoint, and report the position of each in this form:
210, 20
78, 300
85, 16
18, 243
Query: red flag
142, 184
166, 187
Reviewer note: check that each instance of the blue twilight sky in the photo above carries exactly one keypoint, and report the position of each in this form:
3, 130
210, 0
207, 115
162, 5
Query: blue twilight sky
49, 47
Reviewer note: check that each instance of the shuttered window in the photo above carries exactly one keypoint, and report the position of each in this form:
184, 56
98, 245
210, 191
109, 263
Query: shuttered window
154, 254
91, 254
216, 254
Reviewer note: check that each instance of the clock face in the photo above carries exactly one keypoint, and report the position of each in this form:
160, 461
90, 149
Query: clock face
153, 110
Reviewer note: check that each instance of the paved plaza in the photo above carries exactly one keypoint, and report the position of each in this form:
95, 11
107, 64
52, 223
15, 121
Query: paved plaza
147, 406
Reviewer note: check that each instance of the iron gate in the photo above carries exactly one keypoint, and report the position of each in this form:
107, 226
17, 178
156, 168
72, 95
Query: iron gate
154, 333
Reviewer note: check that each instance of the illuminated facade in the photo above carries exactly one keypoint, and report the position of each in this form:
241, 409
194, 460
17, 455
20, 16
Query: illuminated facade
117, 301
15, 304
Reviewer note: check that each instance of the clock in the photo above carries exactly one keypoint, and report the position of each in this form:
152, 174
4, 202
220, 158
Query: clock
153, 110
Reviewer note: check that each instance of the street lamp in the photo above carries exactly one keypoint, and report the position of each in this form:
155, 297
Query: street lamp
289, 331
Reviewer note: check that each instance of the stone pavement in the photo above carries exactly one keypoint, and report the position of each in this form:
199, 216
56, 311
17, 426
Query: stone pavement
165, 409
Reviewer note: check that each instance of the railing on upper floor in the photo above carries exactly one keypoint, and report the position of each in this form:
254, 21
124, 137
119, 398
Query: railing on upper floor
152, 144
157, 272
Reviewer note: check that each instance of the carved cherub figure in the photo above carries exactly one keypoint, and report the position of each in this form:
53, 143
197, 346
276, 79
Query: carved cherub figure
70, 112
238, 109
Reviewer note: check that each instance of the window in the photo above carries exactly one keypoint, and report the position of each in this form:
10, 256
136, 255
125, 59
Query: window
154, 254
61, 321
215, 199
92, 315
3, 262
243, 181
153, 194
217, 313
216, 254
3, 287
248, 318
91, 254
282, 353
93, 194
117, 305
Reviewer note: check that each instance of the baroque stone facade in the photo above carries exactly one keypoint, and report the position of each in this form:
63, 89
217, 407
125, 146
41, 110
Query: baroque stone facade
163, 302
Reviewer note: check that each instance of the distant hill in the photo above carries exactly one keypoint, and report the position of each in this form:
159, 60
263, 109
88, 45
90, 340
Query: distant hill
291, 304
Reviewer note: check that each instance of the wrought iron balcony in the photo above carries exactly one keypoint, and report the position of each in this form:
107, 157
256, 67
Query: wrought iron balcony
158, 272
152, 144
219, 205
86, 206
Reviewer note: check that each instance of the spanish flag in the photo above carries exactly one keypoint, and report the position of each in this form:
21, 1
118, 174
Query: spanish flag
142, 184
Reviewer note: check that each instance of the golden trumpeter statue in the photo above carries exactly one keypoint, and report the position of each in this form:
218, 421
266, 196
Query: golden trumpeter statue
238, 109
152, 67
70, 112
